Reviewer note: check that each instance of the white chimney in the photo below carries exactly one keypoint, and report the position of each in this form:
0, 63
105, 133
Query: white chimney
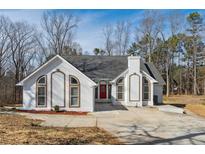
134, 64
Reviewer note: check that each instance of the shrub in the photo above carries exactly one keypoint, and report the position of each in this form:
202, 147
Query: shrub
35, 124
66, 128
56, 108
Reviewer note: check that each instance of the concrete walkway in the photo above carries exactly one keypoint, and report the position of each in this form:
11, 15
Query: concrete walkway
137, 125
170, 108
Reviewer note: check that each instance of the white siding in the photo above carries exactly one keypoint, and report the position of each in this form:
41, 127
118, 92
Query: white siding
133, 85
86, 87
134, 64
136, 92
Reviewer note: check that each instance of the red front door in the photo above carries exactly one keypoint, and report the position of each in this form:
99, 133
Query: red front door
103, 91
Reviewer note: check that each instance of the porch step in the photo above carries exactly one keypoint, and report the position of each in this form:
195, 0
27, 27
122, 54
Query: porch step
108, 107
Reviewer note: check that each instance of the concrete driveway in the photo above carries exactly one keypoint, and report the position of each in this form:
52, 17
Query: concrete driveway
137, 125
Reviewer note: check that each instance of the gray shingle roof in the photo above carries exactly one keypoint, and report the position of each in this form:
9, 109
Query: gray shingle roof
108, 67
98, 67
154, 73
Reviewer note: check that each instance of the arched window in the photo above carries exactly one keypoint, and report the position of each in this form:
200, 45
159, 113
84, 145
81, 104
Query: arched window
74, 92
146, 89
41, 91
120, 89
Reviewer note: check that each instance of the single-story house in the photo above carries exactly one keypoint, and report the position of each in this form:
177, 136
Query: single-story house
76, 83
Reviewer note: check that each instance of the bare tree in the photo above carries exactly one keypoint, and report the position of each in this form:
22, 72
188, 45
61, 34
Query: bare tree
4, 46
149, 28
122, 37
59, 30
22, 46
108, 36
42, 50
176, 22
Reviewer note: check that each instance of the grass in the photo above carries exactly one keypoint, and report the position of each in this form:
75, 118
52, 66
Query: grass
195, 104
184, 99
16, 129
198, 109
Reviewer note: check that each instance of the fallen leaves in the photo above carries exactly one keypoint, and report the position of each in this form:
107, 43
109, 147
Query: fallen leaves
16, 129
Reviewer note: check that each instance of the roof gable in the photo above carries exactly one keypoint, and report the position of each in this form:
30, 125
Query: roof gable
47, 63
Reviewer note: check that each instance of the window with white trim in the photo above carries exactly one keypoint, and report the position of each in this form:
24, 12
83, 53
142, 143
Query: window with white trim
74, 92
41, 91
146, 89
120, 89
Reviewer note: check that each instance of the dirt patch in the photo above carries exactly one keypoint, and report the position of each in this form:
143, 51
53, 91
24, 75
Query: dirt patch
53, 112
16, 129
195, 104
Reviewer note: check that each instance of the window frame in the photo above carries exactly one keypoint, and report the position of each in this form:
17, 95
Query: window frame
148, 85
121, 84
44, 85
71, 85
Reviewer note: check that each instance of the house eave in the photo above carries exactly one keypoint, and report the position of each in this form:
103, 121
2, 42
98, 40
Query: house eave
42, 66
122, 74
39, 68
150, 77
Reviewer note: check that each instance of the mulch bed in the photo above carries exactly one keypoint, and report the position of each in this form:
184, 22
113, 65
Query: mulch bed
53, 112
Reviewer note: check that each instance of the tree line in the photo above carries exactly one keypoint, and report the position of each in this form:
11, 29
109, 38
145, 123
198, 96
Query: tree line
23, 46
172, 41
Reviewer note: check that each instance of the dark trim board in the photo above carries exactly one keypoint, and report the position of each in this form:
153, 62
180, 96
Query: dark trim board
139, 87
58, 71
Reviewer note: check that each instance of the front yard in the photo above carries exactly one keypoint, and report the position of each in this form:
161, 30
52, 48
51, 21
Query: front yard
195, 104
16, 129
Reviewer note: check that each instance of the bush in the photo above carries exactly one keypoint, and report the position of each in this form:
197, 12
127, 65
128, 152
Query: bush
35, 124
56, 108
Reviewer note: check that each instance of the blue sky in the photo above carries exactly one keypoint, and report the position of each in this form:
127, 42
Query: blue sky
89, 31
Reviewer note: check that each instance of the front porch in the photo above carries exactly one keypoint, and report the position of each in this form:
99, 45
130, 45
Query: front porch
108, 106
103, 91
123, 92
